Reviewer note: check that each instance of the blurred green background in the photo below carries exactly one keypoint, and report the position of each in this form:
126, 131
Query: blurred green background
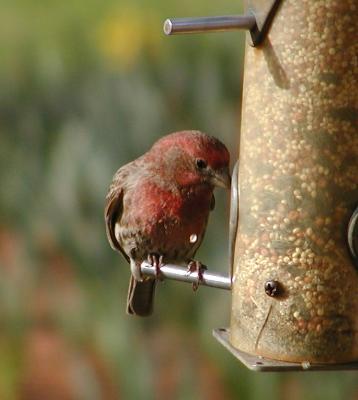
85, 87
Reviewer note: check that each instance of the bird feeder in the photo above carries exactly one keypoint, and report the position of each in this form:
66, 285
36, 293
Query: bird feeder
295, 290
293, 219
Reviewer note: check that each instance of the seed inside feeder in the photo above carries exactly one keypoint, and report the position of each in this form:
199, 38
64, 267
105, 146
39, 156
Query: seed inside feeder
193, 238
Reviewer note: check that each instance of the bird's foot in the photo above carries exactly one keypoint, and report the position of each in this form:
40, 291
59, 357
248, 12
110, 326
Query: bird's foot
197, 266
156, 261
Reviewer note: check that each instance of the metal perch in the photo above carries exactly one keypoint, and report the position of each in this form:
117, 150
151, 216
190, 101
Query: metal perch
178, 273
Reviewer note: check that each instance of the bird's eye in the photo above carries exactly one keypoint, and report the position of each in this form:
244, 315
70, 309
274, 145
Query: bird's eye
201, 164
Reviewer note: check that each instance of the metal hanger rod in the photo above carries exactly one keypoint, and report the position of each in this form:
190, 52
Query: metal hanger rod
176, 26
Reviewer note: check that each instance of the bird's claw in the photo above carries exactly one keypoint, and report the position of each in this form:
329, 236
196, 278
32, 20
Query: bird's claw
196, 266
156, 261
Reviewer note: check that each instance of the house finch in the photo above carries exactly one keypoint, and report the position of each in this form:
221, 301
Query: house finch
158, 205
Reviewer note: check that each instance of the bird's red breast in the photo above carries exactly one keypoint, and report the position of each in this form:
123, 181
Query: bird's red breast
168, 218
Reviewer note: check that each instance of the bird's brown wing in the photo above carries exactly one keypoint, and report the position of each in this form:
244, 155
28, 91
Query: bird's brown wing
140, 294
212, 202
113, 212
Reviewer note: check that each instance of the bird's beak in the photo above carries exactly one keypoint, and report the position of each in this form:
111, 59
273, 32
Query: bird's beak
222, 178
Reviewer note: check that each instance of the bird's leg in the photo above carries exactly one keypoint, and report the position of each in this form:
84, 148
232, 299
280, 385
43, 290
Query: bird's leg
197, 266
156, 261
136, 271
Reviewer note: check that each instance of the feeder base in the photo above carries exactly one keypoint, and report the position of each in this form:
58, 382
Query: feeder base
261, 364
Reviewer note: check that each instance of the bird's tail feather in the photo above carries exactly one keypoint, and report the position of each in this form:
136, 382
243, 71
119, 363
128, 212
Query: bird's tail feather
140, 297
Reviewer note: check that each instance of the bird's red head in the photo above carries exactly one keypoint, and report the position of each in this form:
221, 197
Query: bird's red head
195, 158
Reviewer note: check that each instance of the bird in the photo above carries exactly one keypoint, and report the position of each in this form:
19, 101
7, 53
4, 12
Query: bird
158, 205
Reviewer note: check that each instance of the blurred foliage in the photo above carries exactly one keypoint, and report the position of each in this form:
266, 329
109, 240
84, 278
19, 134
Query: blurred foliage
87, 86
